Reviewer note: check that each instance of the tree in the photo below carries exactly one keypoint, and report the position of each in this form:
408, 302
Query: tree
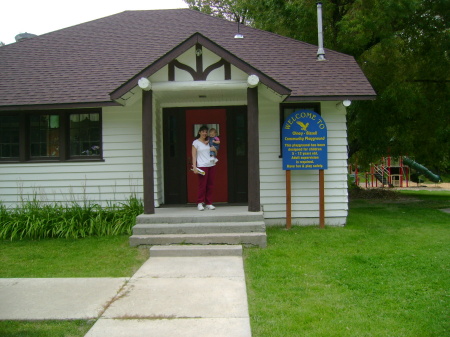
403, 48
409, 68
227, 9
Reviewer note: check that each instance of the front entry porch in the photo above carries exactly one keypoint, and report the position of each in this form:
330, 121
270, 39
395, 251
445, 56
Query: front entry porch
236, 193
227, 224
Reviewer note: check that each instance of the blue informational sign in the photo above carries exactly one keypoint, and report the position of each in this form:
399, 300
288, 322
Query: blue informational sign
304, 141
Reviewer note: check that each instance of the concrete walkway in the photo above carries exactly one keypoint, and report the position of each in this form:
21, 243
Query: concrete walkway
56, 298
179, 291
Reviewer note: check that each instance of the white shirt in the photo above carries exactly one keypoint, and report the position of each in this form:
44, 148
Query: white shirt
203, 157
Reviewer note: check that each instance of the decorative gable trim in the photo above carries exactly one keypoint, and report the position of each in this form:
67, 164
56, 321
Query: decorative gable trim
195, 40
199, 74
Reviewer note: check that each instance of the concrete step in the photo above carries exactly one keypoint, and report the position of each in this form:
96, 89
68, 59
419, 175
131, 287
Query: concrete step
195, 250
199, 228
247, 239
194, 216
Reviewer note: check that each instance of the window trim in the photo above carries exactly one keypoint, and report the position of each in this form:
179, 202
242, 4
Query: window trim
67, 147
64, 136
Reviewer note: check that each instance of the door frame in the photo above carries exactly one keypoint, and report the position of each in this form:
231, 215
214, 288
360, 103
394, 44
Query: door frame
174, 153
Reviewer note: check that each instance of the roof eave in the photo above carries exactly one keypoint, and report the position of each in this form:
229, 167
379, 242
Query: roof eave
58, 106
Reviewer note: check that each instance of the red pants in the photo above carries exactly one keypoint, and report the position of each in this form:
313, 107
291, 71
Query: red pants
206, 185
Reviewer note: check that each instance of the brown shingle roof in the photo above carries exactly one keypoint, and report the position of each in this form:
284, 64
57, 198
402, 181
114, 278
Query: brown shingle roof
85, 63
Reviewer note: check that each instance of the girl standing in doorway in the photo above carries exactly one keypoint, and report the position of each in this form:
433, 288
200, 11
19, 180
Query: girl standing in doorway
201, 160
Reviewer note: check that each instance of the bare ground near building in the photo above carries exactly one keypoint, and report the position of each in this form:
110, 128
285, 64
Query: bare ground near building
388, 193
416, 187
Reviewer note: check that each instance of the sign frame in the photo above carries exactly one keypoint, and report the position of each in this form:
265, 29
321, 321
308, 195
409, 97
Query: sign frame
304, 141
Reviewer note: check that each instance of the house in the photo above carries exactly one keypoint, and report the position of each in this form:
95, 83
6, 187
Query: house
108, 109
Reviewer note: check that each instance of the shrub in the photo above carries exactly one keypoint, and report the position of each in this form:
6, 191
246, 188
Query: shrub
36, 220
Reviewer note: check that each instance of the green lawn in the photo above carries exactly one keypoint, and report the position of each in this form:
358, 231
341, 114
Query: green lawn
109, 256
384, 274
75, 328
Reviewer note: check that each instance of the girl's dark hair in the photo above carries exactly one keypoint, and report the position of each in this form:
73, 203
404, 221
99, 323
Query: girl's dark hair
203, 127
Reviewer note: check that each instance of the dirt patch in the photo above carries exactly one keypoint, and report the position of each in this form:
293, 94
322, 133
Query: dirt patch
415, 187
428, 187
373, 193
393, 194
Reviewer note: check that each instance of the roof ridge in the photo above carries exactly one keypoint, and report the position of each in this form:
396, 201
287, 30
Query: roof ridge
257, 29
157, 9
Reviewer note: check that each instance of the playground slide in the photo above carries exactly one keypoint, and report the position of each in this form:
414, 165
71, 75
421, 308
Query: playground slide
422, 170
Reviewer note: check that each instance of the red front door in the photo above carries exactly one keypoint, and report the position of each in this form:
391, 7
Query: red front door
212, 118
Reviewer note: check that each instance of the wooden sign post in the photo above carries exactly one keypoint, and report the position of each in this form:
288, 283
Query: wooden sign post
288, 200
321, 199
304, 147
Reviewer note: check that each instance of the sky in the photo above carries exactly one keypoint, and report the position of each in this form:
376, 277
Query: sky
43, 16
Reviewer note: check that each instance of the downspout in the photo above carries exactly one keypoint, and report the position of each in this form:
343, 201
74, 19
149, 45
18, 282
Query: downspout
320, 51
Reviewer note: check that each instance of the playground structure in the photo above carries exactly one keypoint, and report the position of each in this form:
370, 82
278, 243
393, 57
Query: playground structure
394, 172
390, 172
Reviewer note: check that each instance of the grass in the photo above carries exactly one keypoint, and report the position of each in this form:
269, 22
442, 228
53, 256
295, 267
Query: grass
87, 257
75, 328
385, 274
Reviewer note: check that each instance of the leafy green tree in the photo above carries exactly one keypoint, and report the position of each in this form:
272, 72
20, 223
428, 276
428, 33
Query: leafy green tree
227, 9
409, 68
403, 47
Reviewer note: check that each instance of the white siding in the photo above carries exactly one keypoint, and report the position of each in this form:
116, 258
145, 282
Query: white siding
304, 184
120, 174
113, 180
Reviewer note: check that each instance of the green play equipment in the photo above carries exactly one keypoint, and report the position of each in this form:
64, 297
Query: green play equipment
422, 170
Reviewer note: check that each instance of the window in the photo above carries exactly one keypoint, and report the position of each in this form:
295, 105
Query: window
288, 108
44, 136
9, 137
58, 135
85, 134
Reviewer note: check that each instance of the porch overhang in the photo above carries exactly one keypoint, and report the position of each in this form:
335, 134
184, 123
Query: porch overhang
330, 98
195, 39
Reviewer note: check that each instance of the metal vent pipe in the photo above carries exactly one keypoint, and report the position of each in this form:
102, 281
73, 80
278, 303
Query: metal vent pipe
320, 51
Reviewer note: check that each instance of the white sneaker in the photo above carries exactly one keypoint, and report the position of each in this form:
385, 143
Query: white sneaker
210, 207
215, 160
200, 207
